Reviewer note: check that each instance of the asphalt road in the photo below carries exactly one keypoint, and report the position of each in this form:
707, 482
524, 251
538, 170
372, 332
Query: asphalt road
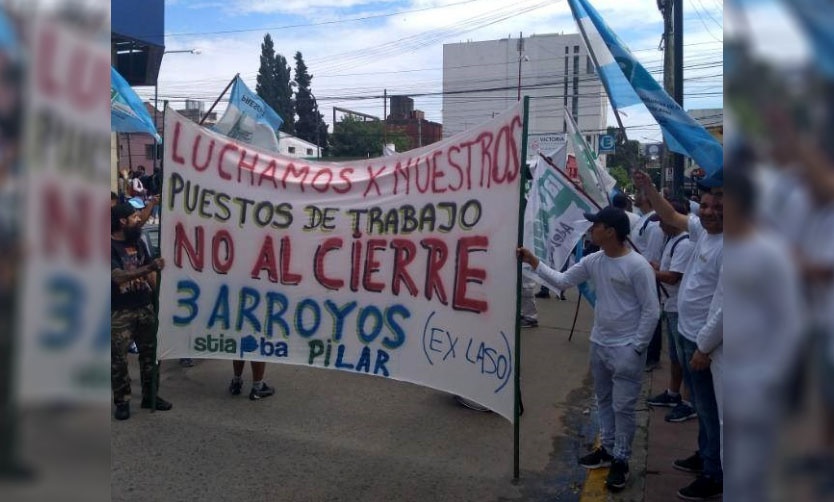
330, 435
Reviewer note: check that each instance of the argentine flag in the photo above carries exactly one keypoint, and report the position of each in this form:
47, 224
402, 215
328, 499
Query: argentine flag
627, 83
127, 112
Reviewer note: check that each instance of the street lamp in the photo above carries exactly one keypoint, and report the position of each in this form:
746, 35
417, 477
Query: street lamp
156, 101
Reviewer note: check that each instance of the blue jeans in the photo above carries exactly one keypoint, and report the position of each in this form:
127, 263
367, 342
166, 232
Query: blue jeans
672, 334
703, 396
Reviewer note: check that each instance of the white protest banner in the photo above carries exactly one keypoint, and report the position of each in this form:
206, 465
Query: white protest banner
65, 308
401, 267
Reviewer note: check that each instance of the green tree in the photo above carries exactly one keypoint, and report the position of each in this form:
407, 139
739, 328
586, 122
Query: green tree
624, 182
273, 84
353, 137
310, 125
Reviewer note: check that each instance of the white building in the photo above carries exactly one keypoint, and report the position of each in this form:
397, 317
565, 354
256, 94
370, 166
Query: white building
482, 79
291, 146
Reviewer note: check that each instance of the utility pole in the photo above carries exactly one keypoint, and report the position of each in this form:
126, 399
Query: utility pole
678, 49
673, 83
520, 47
384, 117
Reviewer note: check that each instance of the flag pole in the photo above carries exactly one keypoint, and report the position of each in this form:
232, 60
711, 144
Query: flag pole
596, 204
219, 98
517, 357
607, 90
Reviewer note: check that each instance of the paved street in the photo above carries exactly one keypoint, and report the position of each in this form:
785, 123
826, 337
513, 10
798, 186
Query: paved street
330, 435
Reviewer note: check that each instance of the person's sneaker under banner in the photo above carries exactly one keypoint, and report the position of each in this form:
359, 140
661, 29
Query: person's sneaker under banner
681, 413
472, 405
617, 475
563, 297
187, 362
703, 488
542, 294
529, 323
596, 459
161, 404
122, 411
694, 464
664, 400
264, 391
235, 386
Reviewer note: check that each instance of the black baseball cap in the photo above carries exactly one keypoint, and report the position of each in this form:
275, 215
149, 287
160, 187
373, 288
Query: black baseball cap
612, 217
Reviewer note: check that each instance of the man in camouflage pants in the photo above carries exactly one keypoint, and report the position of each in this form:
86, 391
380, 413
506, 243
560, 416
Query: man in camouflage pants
133, 279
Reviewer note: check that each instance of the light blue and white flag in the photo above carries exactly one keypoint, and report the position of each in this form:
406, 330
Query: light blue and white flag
249, 119
627, 83
815, 17
127, 111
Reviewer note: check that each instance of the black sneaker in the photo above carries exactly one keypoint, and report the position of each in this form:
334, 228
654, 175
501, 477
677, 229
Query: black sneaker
596, 459
235, 386
264, 391
694, 464
703, 488
681, 413
563, 297
542, 294
161, 404
617, 476
122, 411
472, 405
665, 400
529, 323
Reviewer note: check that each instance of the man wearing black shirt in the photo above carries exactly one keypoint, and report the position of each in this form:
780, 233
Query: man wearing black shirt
132, 316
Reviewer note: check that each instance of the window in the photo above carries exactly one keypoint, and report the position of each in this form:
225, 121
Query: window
290, 149
589, 66
309, 151
576, 49
149, 151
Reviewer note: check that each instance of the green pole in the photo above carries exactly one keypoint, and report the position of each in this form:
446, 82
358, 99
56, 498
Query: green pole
517, 362
155, 372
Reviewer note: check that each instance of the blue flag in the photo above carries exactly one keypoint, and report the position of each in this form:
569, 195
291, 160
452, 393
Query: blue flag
249, 119
127, 112
586, 288
815, 17
627, 83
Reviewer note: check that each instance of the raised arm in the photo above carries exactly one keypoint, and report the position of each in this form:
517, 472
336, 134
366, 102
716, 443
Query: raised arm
661, 206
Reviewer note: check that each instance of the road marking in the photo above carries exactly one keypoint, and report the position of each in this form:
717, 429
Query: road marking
593, 490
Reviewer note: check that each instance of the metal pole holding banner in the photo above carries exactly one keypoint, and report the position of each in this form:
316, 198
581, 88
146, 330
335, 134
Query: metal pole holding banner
155, 372
517, 359
218, 99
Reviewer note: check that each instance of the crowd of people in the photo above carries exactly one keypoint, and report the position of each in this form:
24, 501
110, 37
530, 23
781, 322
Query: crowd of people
663, 255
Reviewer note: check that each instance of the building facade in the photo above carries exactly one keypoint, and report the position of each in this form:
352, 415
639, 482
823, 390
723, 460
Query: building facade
412, 123
482, 79
291, 146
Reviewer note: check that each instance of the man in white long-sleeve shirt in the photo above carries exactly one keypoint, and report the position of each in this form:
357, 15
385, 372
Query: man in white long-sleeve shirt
625, 316
700, 281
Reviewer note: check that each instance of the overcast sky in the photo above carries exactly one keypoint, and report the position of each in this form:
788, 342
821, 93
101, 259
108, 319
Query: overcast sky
355, 49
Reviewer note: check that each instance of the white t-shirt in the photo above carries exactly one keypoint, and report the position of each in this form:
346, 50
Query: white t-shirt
817, 246
626, 310
764, 318
675, 262
699, 280
648, 237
